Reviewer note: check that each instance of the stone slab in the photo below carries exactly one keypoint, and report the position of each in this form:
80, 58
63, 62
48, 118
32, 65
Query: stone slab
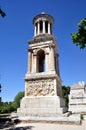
43, 106
72, 119
77, 98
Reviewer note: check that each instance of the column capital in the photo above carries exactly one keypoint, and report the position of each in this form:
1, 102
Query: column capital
47, 53
51, 46
30, 50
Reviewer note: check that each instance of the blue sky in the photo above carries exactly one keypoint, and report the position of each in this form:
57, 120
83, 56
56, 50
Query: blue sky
16, 28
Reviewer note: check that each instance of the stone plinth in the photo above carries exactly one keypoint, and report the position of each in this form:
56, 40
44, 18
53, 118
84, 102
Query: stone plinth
77, 98
41, 106
41, 98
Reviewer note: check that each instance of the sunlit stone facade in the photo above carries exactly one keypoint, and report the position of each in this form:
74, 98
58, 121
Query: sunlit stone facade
43, 93
77, 98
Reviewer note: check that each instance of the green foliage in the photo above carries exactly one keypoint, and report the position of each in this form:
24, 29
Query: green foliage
65, 93
2, 13
7, 107
18, 97
79, 38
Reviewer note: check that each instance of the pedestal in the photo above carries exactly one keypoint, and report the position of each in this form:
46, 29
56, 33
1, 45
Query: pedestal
41, 106
42, 95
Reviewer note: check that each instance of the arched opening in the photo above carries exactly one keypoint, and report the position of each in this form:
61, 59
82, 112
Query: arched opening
41, 61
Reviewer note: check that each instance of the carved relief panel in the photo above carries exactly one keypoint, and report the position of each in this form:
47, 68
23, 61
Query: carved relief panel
40, 87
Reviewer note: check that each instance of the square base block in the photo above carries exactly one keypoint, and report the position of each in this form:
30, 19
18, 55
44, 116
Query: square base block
41, 106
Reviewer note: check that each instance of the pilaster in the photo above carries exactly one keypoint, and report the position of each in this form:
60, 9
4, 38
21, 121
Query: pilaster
29, 62
52, 61
47, 62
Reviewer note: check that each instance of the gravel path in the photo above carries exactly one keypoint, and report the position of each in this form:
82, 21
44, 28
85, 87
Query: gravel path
48, 126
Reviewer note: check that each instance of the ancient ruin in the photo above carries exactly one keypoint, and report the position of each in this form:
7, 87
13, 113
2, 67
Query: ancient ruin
43, 92
77, 98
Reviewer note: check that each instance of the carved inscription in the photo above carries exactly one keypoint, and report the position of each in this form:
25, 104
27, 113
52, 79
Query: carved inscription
40, 87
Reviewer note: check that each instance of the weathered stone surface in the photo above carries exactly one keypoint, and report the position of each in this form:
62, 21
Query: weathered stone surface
42, 84
40, 87
77, 98
41, 106
43, 92
60, 118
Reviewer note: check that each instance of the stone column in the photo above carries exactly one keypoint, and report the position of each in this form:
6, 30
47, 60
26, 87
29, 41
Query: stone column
34, 64
52, 60
47, 62
35, 30
43, 26
56, 66
38, 28
57, 61
29, 62
49, 28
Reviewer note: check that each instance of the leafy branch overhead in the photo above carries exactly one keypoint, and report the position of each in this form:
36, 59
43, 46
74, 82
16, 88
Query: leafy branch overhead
2, 13
79, 38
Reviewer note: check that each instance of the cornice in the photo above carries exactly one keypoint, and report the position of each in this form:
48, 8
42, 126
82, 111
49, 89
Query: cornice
42, 38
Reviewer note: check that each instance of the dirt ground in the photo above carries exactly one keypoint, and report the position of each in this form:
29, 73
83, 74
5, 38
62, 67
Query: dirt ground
42, 126
52, 126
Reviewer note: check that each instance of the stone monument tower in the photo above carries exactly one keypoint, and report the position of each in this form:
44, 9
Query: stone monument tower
43, 94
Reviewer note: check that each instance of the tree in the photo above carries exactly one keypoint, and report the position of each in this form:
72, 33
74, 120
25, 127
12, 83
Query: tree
6, 107
79, 38
65, 93
18, 97
2, 13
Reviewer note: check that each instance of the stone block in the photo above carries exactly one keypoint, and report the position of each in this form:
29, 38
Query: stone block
41, 105
77, 98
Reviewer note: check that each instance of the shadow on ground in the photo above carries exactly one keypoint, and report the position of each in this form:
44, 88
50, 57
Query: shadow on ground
22, 128
7, 124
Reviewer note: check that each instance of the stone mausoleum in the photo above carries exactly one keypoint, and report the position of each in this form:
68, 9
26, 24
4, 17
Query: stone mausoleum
77, 98
43, 92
